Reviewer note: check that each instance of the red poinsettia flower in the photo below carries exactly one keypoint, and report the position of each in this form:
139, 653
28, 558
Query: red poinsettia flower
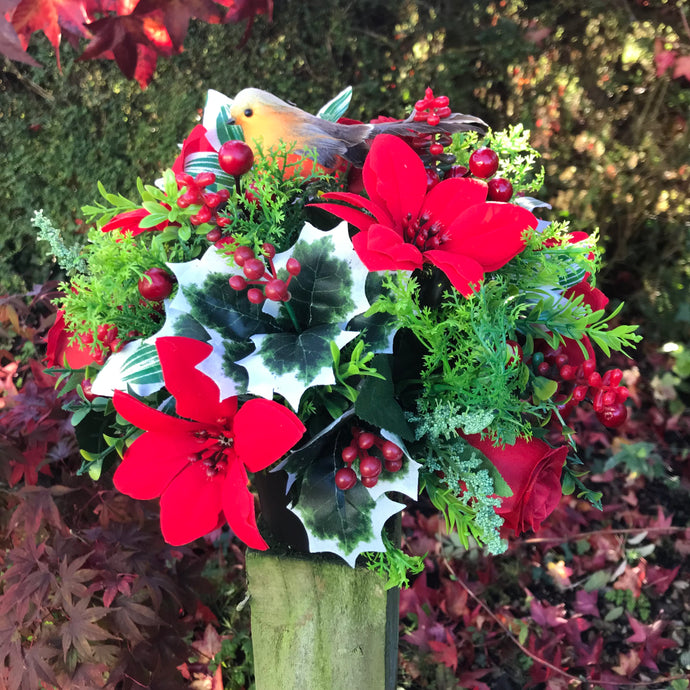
128, 221
452, 226
198, 465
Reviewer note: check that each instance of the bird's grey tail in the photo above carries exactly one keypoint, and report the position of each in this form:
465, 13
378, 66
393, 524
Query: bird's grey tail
456, 122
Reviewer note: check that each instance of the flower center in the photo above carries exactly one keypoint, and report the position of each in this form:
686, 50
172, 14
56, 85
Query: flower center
216, 450
422, 232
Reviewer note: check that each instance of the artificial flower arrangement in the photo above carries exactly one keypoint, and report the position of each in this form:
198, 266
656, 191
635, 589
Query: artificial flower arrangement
361, 336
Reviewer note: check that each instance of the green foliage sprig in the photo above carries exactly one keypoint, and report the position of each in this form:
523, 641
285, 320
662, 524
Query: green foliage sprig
68, 258
393, 564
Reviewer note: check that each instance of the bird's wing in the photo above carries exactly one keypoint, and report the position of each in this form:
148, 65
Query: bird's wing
332, 140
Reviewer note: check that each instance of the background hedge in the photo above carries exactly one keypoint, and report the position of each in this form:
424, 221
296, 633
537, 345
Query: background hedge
580, 75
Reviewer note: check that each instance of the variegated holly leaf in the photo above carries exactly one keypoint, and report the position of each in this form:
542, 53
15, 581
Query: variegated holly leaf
378, 329
327, 293
343, 522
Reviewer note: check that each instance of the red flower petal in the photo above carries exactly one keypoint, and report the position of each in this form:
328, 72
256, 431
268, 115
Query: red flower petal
462, 271
197, 396
127, 221
491, 233
357, 218
59, 351
264, 432
383, 249
448, 199
145, 417
191, 505
194, 143
238, 506
394, 177
152, 462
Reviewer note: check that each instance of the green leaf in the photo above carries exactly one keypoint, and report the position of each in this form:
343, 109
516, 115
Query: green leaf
225, 131
543, 389
376, 403
336, 107
153, 219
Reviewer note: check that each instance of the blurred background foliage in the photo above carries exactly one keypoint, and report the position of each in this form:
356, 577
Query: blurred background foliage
580, 75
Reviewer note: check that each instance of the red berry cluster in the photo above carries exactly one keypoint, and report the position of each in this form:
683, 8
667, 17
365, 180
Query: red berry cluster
484, 164
431, 110
370, 466
255, 273
209, 201
585, 382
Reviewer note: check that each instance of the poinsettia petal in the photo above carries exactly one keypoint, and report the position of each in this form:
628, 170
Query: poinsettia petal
197, 396
491, 233
394, 177
383, 249
127, 221
359, 219
151, 463
191, 505
238, 506
462, 271
145, 417
265, 431
448, 199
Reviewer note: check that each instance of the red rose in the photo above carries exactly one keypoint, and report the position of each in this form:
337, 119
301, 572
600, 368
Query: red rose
59, 352
532, 469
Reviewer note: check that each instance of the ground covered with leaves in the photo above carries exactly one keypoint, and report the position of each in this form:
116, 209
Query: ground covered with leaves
91, 596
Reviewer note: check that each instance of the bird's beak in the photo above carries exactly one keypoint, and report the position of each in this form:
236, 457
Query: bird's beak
231, 121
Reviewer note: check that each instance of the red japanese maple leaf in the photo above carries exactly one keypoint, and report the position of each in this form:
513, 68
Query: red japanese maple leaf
452, 226
199, 468
650, 637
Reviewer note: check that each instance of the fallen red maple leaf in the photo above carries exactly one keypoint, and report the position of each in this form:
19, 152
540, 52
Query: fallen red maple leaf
650, 637
445, 653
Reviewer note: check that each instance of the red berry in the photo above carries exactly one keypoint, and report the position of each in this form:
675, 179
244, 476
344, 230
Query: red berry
588, 367
436, 149
349, 454
455, 171
613, 415
345, 478
393, 465
579, 393
203, 215
483, 163
293, 266
500, 189
594, 379
204, 179
391, 451
224, 221
214, 235
116, 345
276, 290
156, 284
211, 200
567, 372
184, 180
514, 350
560, 359
543, 369
370, 482
366, 440
86, 390
237, 283
243, 254
612, 377
433, 120
188, 198
622, 393
370, 466
255, 296
254, 269
235, 158
268, 249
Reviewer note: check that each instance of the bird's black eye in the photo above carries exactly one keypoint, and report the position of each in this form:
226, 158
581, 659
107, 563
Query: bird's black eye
248, 112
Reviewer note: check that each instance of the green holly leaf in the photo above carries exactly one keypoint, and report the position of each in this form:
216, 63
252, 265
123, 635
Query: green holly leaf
378, 329
376, 403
